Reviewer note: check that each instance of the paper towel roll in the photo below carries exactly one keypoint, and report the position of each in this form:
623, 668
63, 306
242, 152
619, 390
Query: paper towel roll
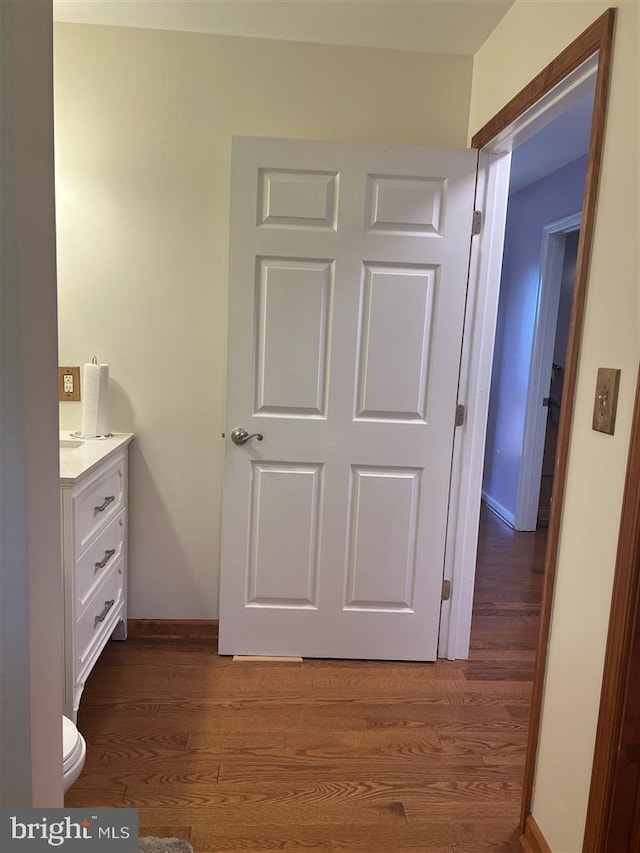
95, 400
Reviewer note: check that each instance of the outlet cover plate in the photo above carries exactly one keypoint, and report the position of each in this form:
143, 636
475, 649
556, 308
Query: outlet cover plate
606, 400
63, 383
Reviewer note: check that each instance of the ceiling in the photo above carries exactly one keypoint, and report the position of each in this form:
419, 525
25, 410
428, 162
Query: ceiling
431, 26
563, 140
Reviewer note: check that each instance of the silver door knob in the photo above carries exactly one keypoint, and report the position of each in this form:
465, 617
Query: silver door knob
241, 436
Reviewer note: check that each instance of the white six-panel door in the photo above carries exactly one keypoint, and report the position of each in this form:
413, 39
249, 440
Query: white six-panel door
348, 277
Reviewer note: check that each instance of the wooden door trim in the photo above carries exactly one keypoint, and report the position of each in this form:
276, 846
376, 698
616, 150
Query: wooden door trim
596, 38
622, 622
587, 43
532, 840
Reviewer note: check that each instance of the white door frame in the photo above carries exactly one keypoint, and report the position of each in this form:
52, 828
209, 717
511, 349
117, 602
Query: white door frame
477, 354
554, 238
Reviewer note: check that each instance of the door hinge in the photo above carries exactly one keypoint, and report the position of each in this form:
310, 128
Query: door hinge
460, 413
446, 590
476, 227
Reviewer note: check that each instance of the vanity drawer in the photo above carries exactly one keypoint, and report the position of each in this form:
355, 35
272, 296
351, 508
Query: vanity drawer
97, 502
98, 560
98, 619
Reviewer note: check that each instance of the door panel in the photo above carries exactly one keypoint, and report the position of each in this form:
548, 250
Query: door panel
395, 331
294, 298
283, 557
348, 273
405, 205
297, 199
392, 495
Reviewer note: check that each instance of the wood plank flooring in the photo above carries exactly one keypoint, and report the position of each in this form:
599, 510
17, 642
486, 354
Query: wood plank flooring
325, 755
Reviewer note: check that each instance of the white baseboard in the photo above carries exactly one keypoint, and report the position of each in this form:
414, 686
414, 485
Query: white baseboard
506, 516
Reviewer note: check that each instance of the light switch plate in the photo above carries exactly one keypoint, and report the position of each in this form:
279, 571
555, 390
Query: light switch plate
606, 400
69, 383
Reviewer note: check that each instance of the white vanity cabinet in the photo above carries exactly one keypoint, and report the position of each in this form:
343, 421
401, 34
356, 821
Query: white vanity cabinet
94, 557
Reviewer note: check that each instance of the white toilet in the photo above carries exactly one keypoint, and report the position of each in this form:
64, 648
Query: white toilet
74, 751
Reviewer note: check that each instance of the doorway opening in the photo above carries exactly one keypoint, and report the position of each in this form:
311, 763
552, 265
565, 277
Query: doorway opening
557, 279
538, 272
536, 290
533, 175
520, 119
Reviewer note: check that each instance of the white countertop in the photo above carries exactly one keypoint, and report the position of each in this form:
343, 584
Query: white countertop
78, 460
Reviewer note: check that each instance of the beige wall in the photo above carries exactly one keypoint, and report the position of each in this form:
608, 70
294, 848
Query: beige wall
529, 36
144, 121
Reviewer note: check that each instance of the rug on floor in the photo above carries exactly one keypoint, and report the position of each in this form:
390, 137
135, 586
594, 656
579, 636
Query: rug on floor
153, 844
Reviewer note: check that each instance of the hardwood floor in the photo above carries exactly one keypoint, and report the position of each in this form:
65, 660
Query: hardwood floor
325, 755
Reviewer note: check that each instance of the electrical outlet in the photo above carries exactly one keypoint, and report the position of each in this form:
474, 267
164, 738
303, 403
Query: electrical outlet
69, 383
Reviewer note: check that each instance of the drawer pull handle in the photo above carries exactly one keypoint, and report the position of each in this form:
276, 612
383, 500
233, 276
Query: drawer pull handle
107, 607
107, 556
109, 499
